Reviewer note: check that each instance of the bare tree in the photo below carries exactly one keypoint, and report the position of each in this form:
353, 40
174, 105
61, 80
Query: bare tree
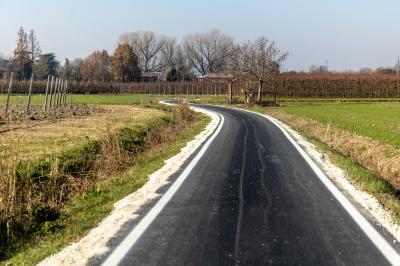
260, 60
3, 66
232, 71
208, 52
168, 53
318, 69
149, 48
33, 49
96, 67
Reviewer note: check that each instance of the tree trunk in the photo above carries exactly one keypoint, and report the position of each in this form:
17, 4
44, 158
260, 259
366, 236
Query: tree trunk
230, 92
260, 86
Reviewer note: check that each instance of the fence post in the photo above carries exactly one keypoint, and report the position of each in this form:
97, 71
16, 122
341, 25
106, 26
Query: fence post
29, 96
9, 93
47, 93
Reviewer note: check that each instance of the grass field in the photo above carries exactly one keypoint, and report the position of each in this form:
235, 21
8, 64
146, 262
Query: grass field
379, 121
46, 138
114, 98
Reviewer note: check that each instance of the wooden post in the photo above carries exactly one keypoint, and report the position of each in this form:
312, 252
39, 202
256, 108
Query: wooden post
51, 90
55, 92
47, 93
28, 107
9, 93
65, 93
60, 88
62, 92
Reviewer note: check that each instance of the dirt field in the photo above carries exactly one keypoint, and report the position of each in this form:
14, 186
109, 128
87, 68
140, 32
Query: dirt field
17, 113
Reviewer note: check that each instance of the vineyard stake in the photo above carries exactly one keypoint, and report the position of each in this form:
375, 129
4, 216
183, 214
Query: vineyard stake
47, 93
65, 92
9, 93
29, 96
56, 92
60, 88
51, 90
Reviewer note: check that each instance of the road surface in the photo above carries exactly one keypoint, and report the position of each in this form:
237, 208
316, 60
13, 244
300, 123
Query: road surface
251, 199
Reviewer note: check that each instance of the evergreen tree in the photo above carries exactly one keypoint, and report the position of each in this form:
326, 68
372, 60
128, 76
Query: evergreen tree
46, 65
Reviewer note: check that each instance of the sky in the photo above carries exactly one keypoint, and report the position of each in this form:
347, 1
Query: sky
348, 35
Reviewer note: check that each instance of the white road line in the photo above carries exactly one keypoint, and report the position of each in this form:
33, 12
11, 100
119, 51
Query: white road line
122, 249
376, 238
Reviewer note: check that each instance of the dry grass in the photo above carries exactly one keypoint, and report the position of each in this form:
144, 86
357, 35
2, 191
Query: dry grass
380, 158
34, 141
34, 187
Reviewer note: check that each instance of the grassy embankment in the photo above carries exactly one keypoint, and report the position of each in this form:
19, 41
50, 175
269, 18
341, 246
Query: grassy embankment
361, 138
60, 180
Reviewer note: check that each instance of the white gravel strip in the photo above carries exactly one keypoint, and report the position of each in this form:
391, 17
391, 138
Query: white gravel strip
338, 175
95, 242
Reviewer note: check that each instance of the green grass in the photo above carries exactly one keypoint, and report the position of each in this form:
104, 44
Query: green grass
125, 99
364, 179
86, 211
359, 175
88, 98
379, 121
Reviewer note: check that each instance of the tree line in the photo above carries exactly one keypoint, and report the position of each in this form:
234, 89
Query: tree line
138, 53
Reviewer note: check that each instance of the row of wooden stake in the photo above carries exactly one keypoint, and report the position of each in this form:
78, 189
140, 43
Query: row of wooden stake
56, 93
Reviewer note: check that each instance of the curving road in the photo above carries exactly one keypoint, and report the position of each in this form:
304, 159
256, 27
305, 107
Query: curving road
252, 199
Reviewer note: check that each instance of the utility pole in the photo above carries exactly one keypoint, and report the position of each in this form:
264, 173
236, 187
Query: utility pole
398, 66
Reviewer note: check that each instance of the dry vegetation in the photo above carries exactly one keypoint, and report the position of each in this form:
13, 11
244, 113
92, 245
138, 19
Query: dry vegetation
33, 140
35, 183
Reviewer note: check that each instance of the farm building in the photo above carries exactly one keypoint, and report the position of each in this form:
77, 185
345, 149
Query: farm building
153, 76
214, 77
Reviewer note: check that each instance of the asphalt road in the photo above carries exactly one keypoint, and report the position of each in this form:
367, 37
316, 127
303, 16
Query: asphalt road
252, 200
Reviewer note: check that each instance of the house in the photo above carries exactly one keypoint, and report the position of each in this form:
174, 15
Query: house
153, 77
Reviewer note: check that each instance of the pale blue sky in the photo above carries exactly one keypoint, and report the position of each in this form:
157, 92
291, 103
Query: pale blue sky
350, 34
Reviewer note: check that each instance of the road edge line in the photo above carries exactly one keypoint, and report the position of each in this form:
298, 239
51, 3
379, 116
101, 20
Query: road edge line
391, 255
122, 249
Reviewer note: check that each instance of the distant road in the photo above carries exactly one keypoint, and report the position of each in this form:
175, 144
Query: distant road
252, 199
